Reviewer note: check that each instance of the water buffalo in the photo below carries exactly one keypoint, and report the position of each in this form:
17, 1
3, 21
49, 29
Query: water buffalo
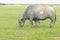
38, 12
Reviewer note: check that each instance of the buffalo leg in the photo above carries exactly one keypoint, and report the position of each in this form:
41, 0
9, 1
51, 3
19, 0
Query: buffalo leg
52, 24
31, 22
37, 23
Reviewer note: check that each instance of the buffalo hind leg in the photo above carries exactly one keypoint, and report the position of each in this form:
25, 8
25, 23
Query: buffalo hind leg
52, 24
37, 23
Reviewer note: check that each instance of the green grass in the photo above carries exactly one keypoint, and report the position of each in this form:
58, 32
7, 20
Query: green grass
9, 29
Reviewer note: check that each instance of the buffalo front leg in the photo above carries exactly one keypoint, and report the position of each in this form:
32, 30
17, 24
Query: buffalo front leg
31, 23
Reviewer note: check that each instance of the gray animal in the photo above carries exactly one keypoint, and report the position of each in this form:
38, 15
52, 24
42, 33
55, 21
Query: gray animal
38, 12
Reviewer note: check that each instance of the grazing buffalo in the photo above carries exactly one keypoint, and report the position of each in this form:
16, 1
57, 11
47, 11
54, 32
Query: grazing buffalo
38, 12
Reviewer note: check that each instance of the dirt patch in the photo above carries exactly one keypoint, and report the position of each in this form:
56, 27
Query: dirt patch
56, 37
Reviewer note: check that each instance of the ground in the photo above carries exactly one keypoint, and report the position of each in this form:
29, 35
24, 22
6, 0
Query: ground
9, 29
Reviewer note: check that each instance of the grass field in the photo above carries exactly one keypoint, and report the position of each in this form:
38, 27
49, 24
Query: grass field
9, 29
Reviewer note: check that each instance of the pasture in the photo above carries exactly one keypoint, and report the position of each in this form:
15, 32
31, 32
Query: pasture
9, 29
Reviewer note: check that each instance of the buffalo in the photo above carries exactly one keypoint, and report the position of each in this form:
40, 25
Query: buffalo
37, 12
